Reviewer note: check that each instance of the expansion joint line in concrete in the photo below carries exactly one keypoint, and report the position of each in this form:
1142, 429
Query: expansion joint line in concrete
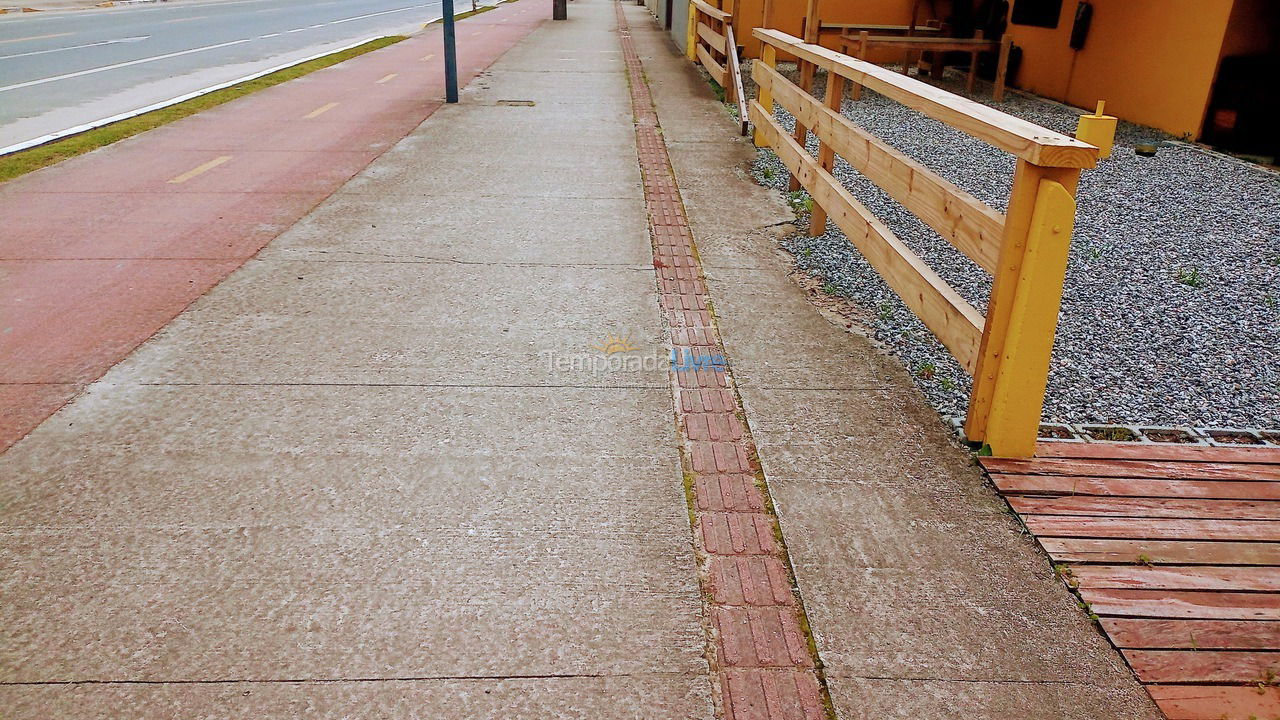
760, 650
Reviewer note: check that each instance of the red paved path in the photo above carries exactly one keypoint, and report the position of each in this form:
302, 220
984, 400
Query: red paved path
762, 661
1177, 551
101, 251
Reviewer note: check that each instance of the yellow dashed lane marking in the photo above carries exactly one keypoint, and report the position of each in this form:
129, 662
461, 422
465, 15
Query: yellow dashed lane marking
200, 170
178, 20
428, 57
320, 111
388, 78
34, 37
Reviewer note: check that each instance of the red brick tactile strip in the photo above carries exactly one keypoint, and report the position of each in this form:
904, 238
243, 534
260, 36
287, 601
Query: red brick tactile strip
760, 651
1175, 551
99, 252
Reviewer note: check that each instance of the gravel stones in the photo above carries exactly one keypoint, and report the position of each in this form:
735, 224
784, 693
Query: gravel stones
1171, 308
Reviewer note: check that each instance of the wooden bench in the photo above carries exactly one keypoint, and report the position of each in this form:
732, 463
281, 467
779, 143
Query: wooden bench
861, 44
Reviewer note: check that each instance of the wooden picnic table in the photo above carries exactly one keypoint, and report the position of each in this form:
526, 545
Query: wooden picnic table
845, 28
862, 43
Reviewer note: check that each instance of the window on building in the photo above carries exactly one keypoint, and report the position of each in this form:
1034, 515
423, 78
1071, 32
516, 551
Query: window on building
1040, 13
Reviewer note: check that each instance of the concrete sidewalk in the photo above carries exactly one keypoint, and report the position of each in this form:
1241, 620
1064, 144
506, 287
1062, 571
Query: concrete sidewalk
351, 479
417, 458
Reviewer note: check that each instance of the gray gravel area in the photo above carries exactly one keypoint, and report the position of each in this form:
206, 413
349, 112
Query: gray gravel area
1171, 310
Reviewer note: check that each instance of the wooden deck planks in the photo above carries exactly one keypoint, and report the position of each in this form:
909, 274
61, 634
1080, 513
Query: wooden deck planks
1213, 702
1176, 550
1160, 552
1178, 453
1218, 666
1136, 487
1193, 604
1184, 577
1164, 469
1153, 528
1145, 507
1147, 633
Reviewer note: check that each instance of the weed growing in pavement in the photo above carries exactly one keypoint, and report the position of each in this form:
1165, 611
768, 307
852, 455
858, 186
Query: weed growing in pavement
947, 384
885, 312
830, 289
1189, 276
768, 173
800, 201
1063, 571
1144, 559
927, 371
807, 252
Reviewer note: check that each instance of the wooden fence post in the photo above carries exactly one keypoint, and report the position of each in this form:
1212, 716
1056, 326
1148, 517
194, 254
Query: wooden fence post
864, 39
826, 154
807, 72
1022, 315
691, 49
768, 56
1002, 67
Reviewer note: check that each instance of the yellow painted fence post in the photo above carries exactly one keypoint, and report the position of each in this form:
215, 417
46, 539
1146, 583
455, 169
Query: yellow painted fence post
1017, 342
768, 56
691, 47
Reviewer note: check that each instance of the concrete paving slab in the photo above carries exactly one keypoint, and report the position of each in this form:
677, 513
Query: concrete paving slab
924, 592
243, 590
786, 345
535, 231
850, 434
557, 88
123, 446
650, 696
402, 323
889, 699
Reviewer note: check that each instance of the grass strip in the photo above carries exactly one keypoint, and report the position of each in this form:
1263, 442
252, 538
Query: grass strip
25, 161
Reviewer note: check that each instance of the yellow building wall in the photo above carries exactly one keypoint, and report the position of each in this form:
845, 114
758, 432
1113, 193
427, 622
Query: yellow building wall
1153, 61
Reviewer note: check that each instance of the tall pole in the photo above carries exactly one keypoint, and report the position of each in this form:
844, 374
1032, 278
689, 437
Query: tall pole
450, 55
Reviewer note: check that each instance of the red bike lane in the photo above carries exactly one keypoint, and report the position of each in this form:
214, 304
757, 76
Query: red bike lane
101, 251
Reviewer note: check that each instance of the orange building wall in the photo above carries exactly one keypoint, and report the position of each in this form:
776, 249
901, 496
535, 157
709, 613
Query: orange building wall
1153, 61
787, 15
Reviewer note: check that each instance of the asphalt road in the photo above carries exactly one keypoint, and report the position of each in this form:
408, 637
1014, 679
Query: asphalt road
59, 70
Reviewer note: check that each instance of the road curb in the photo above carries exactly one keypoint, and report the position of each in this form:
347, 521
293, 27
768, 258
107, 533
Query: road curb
85, 127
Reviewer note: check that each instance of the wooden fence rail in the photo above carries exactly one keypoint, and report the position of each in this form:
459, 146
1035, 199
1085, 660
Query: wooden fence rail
1025, 249
711, 43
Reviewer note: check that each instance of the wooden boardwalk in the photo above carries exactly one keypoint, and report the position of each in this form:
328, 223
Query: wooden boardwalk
1176, 550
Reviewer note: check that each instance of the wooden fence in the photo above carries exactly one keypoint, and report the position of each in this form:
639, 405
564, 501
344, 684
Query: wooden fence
1025, 249
712, 44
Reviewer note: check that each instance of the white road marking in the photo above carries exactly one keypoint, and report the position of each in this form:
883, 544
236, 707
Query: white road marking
104, 68
140, 61
388, 78
76, 47
384, 12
